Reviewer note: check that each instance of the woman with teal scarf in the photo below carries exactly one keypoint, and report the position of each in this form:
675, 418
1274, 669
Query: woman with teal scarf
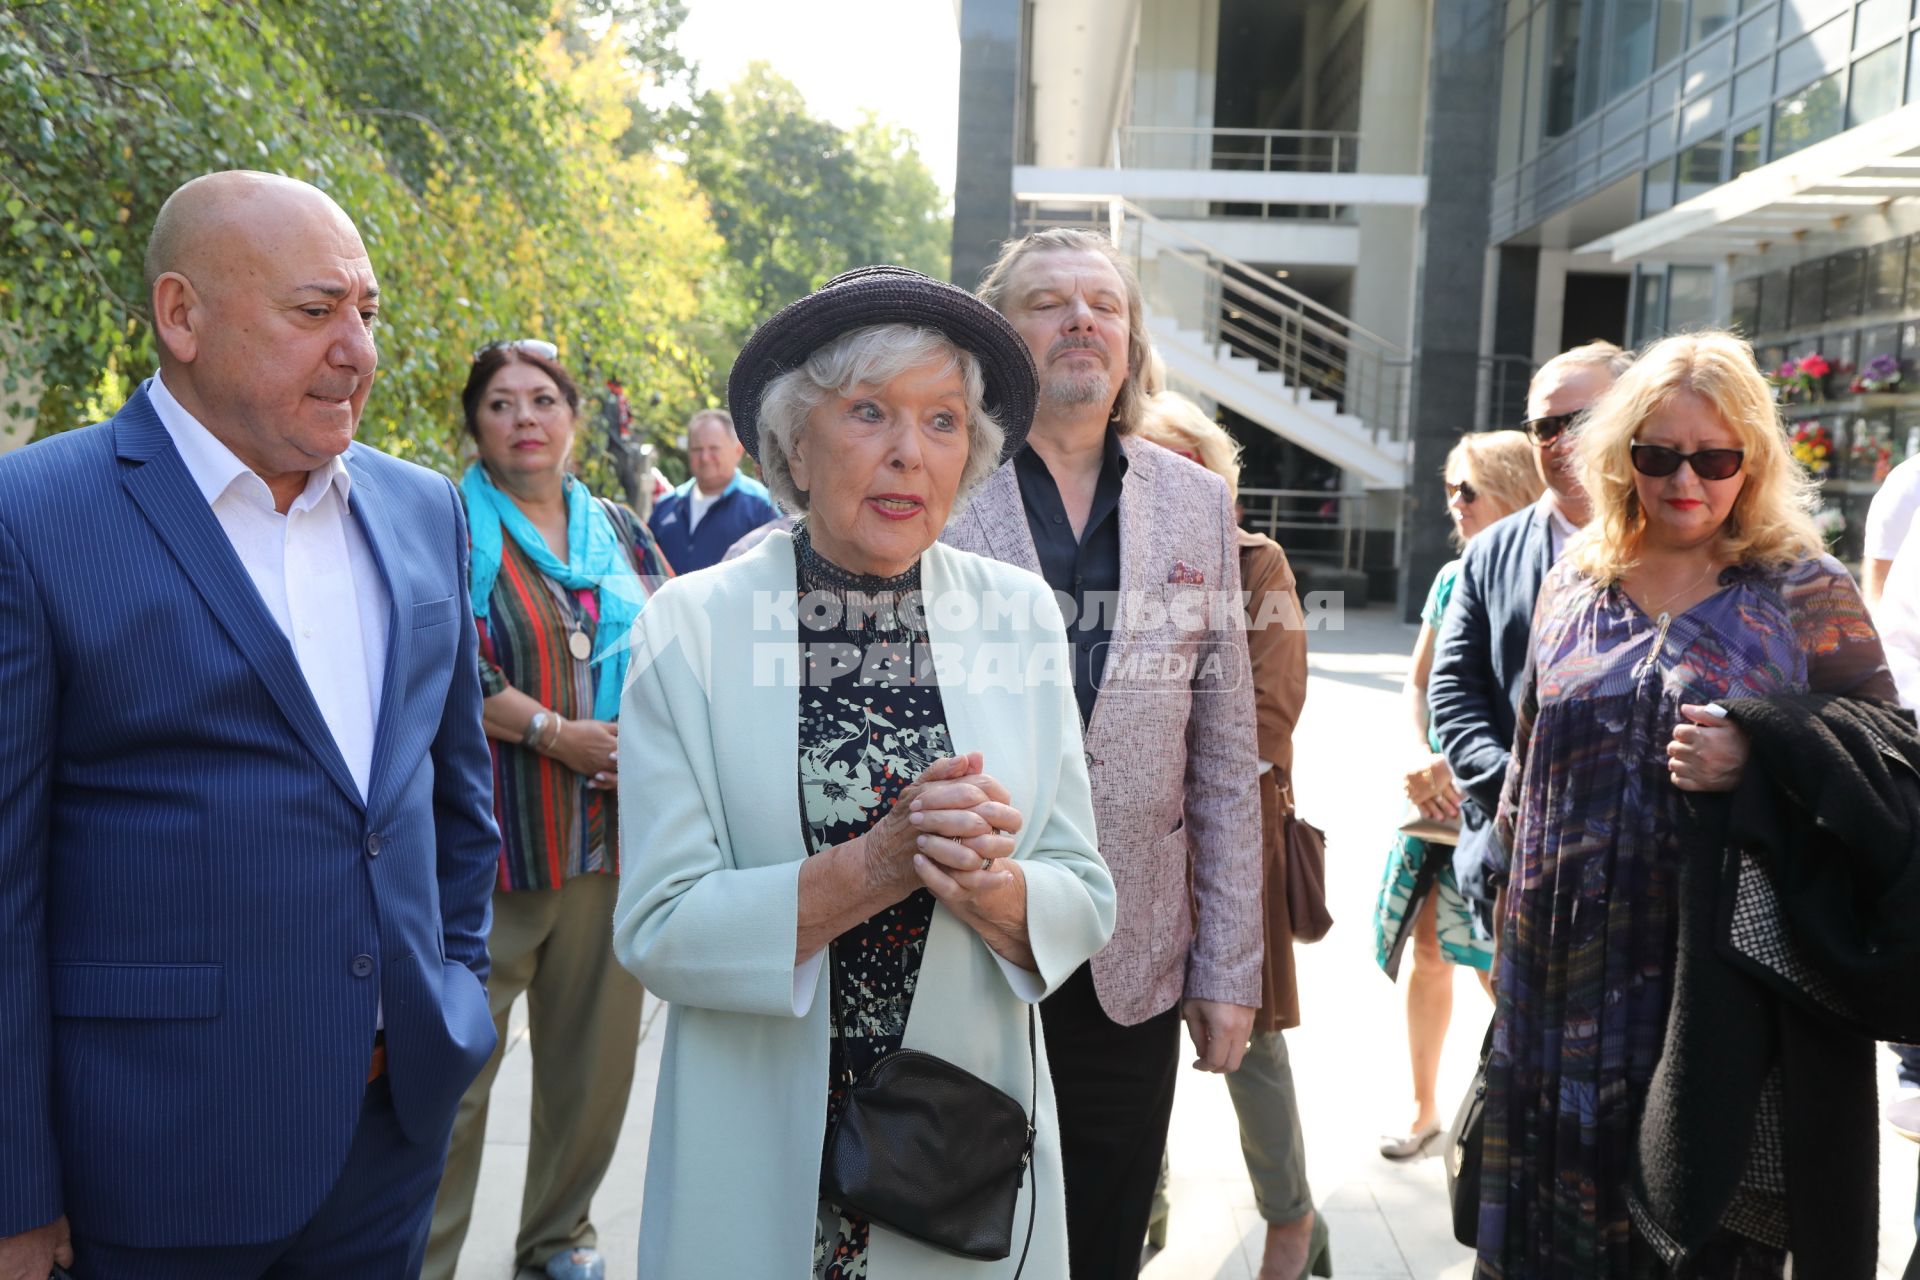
558, 577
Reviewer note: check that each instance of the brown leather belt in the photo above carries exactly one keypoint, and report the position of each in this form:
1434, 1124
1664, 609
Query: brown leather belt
377, 1067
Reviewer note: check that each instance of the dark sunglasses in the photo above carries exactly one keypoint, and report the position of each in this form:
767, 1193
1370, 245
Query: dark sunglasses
1657, 460
532, 346
1549, 427
1463, 490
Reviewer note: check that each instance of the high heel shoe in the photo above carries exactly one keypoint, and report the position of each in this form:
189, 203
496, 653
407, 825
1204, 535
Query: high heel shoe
1319, 1251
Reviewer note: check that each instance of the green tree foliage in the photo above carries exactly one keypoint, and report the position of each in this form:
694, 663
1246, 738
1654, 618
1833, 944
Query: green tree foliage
799, 200
499, 157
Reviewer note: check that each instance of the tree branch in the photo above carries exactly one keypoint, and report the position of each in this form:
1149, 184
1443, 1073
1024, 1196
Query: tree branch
86, 255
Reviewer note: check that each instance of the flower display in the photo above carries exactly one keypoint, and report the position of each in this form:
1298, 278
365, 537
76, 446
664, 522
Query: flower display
1812, 446
1882, 373
1802, 379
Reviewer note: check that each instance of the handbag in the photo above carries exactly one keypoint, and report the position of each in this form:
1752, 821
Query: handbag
1306, 844
1431, 830
1463, 1153
930, 1150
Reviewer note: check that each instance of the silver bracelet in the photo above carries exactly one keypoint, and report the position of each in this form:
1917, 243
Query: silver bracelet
535, 727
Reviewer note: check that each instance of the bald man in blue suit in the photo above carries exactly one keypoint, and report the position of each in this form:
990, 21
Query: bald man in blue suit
246, 841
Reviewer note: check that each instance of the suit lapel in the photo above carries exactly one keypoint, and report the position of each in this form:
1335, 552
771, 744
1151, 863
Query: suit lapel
1137, 562
996, 507
165, 493
371, 512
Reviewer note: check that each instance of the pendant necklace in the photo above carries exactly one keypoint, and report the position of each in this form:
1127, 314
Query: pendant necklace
577, 642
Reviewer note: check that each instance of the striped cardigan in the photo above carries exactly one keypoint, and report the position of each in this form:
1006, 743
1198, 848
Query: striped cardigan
553, 826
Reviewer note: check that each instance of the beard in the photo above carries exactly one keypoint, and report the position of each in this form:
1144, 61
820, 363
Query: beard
1074, 388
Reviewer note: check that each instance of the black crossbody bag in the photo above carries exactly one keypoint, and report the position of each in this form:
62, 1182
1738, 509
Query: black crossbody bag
930, 1150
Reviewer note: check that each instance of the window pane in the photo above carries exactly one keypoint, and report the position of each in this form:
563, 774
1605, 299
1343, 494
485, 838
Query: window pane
1886, 277
1913, 275
1700, 167
1658, 192
1563, 73
1672, 26
1809, 295
1800, 16
1709, 16
1773, 304
1708, 66
1876, 86
1630, 55
1689, 298
1649, 312
1752, 88
1513, 87
1845, 273
1877, 21
1746, 306
1756, 35
1810, 116
1746, 151
1810, 56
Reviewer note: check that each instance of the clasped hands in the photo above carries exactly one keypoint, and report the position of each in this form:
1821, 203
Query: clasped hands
1429, 787
952, 832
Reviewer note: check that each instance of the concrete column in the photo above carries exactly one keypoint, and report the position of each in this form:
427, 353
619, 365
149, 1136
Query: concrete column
991, 96
1550, 305
1462, 108
1392, 102
1176, 60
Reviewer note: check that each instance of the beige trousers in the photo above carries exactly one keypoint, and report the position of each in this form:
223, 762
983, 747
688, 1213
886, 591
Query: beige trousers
583, 1016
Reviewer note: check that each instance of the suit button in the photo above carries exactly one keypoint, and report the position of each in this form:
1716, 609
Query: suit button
363, 966
373, 844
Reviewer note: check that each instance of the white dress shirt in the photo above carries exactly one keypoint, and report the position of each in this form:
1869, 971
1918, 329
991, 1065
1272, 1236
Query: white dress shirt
1897, 617
313, 569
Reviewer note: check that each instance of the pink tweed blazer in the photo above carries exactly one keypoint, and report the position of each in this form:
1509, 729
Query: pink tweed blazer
1171, 748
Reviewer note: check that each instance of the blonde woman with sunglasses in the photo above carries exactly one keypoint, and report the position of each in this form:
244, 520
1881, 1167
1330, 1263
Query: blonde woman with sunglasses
1699, 577
1488, 476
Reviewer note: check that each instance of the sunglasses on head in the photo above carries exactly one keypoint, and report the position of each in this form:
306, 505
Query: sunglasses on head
1549, 427
532, 346
1463, 490
1657, 460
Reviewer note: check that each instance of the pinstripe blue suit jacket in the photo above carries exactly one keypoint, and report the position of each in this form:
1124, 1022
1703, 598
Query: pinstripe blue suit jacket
198, 911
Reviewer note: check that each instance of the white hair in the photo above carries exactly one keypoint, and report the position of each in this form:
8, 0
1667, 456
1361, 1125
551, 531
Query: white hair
869, 357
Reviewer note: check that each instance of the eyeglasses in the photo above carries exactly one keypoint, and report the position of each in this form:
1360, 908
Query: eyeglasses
1657, 460
1462, 490
532, 346
1548, 428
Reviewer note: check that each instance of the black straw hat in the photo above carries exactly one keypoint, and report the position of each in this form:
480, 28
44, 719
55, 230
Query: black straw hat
887, 295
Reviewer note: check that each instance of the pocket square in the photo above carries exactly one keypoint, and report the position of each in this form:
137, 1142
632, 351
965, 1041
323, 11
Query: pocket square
1184, 572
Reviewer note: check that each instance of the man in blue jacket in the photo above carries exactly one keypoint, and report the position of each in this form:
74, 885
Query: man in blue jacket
697, 522
1481, 655
246, 836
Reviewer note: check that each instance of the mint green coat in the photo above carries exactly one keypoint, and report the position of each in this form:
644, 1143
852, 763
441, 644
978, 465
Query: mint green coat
709, 895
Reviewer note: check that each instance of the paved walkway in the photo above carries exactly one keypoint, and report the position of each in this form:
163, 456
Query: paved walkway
1349, 1058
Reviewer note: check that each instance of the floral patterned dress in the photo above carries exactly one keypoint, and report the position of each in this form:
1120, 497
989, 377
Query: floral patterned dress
1408, 877
1589, 940
870, 722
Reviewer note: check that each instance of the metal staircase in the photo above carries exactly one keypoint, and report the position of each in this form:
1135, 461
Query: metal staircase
1241, 337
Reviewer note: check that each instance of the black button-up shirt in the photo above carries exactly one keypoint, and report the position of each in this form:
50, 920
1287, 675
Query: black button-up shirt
1084, 575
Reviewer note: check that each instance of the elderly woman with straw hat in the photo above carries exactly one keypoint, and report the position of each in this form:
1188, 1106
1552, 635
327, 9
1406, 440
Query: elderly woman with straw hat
861, 847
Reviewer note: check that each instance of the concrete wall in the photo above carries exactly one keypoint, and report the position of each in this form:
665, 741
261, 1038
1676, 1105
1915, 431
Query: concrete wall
1392, 141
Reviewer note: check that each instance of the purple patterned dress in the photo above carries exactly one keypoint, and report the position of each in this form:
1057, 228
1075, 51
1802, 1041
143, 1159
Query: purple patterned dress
1588, 942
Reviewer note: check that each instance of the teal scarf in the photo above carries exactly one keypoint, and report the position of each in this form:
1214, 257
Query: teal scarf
596, 559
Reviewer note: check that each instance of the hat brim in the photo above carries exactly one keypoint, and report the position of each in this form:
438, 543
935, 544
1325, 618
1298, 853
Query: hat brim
887, 295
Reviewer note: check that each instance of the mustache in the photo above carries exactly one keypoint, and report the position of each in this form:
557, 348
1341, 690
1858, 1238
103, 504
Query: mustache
1087, 343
